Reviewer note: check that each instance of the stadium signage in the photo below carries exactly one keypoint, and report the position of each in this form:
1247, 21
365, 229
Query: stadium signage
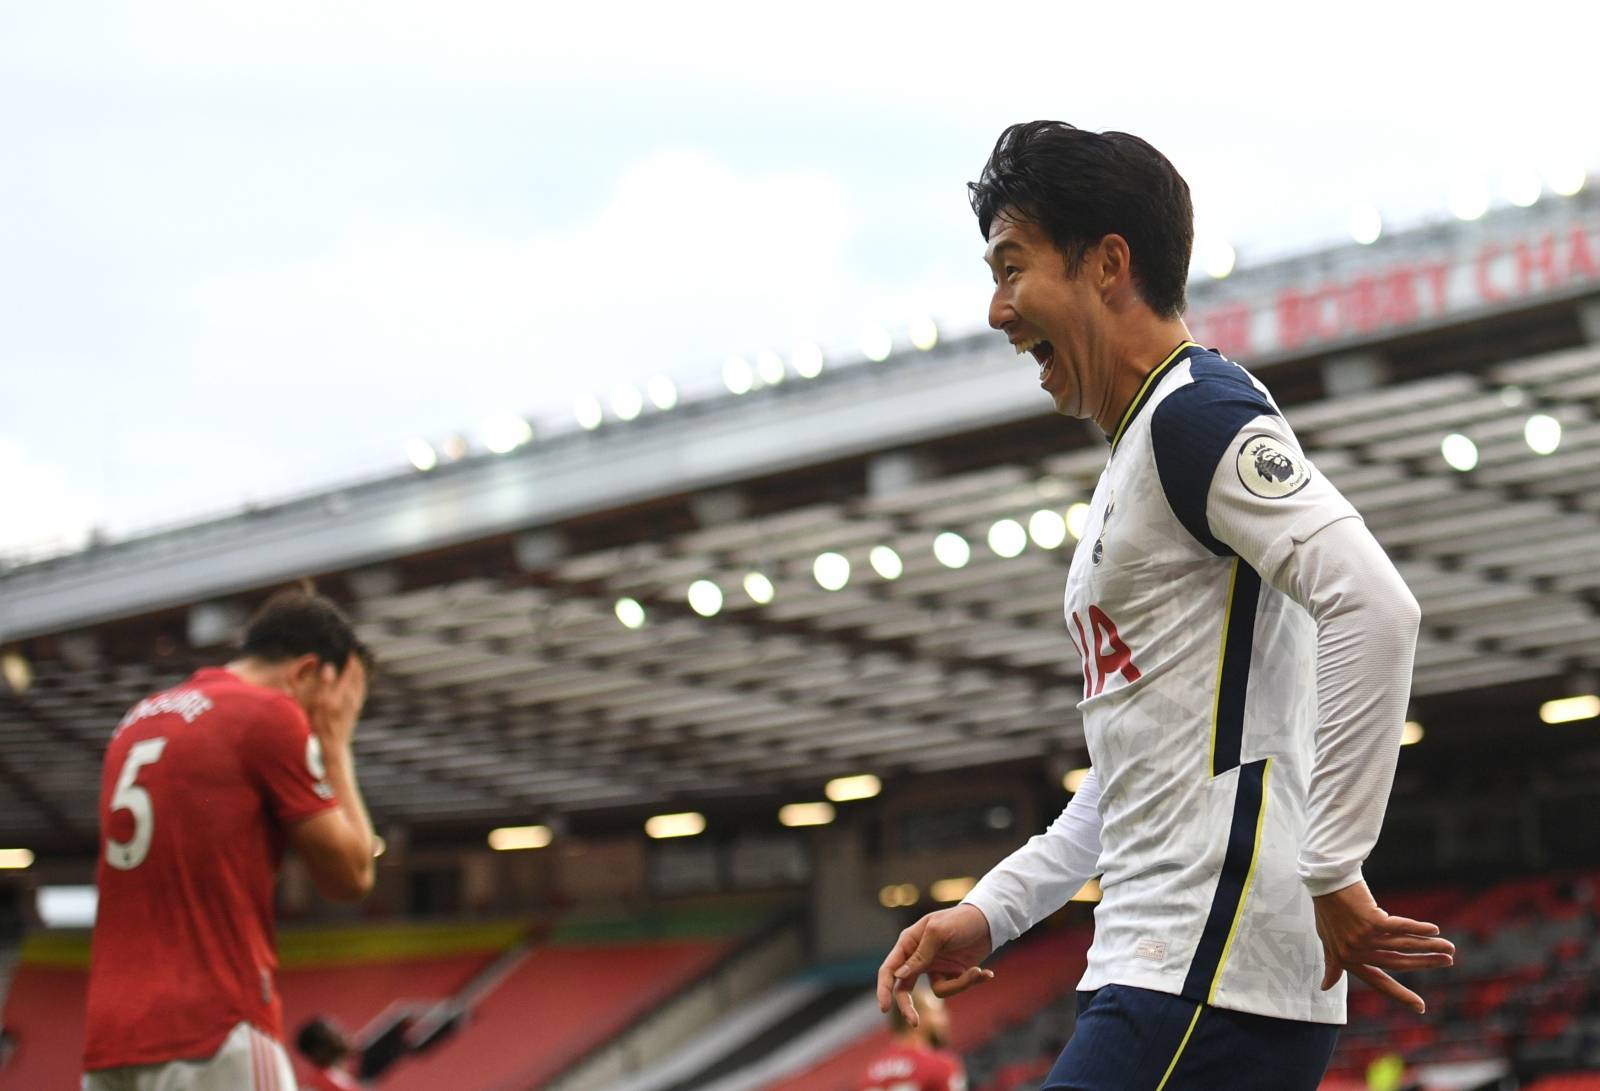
1415, 291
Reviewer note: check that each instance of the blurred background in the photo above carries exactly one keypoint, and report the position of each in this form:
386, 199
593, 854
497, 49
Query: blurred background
623, 372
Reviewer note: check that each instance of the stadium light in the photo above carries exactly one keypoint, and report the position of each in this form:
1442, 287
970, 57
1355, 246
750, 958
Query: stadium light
1567, 180
877, 345
663, 392
845, 789
1411, 733
807, 361
769, 365
17, 671
515, 838
1566, 710
683, 824
1089, 892
806, 814
1366, 224
1542, 433
951, 550
924, 334
1047, 529
952, 890
1469, 200
898, 895
1459, 452
67, 906
1512, 396
886, 562
587, 410
759, 588
421, 455
1523, 189
737, 376
832, 571
1077, 519
626, 401
16, 859
1074, 780
455, 448
705, 598
630, 613
506, 432
1007, 538
1218, 259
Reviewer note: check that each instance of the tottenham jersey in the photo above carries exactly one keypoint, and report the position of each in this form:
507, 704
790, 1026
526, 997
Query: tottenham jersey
1200, 695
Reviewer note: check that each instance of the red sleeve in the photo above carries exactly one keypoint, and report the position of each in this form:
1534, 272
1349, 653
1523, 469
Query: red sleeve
949, 1074
286, 761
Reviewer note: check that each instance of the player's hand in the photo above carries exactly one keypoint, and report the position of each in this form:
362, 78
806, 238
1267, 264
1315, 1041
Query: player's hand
338, 703
1360, 937
947, 946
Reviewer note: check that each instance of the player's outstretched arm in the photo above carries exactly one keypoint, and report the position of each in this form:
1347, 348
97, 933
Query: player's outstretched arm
337, 845
946, 945
1360, 937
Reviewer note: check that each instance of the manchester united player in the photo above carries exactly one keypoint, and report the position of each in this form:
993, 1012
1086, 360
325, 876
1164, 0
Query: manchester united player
918, 1059
202, 787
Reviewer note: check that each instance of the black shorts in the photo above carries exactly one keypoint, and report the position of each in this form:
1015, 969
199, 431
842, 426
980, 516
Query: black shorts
1131, 1039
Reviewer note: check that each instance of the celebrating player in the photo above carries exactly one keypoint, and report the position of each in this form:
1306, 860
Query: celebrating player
202, 786
1246, 650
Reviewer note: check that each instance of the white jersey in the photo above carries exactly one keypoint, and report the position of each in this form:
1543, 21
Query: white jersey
1210, 544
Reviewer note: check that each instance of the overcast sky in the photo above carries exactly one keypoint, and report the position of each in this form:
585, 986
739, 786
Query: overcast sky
249, 249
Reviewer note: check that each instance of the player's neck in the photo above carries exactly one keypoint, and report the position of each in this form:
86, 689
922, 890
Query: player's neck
1135, 352
257, 673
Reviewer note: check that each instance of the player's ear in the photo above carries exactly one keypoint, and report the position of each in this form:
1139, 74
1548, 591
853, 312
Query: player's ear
305, 669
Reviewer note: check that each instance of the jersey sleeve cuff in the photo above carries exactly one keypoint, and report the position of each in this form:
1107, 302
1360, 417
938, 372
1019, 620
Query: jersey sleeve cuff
1320, 885
998, 924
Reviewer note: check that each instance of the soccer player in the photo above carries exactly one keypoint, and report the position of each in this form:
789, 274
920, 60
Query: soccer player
1246, 650
918, 1059
202, 786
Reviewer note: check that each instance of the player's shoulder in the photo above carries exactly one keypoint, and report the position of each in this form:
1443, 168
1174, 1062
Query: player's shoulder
1205, 405
251, 706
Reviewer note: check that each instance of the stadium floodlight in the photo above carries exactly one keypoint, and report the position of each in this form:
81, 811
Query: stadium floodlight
951, 890
877, 345
1074, 779
845, 789
1523, 189
16, 859
705, 598
1512, 396
807, 361
951, 550
630, 613
587, 410
1567, 179
663, 392
806, 814
1366, 224
759, 588
924, 334
683, 824
1218, 259
1469, 200
1007, 538
626, 401
1459, 452
1411, 733
1542, 433
455, 448
832, 571
17, 671
1565, 710
898, 895
1077, 519
769, 366
886, 562
737, 376
1047, 529
1088, 892
421, 455
514, 838
506, 432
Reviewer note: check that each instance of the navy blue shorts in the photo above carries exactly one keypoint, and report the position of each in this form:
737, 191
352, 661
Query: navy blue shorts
1131, 1039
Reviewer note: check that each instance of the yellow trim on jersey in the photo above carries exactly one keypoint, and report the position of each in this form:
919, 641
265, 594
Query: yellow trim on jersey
1168, 1074
1222, 652
1244, 891
1149, 381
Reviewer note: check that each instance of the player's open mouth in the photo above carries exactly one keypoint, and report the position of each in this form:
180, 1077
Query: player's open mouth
1044, 352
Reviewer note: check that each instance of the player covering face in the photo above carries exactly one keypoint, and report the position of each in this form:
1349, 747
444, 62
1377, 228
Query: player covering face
1246, 648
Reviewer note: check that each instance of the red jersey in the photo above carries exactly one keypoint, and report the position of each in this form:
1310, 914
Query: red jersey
198, 787
330, 1079
914, 1068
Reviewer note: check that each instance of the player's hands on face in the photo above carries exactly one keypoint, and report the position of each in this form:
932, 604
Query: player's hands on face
947, 946
1360, 937
337, 704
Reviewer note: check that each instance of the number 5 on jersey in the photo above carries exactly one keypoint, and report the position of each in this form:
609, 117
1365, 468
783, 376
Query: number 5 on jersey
1104, 655
130, 797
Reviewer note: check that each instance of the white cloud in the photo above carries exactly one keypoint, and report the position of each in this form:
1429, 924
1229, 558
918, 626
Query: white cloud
45, 513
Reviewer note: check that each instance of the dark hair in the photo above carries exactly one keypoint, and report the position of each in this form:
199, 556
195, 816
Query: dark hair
296, 623
1079, 187
321, 1042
